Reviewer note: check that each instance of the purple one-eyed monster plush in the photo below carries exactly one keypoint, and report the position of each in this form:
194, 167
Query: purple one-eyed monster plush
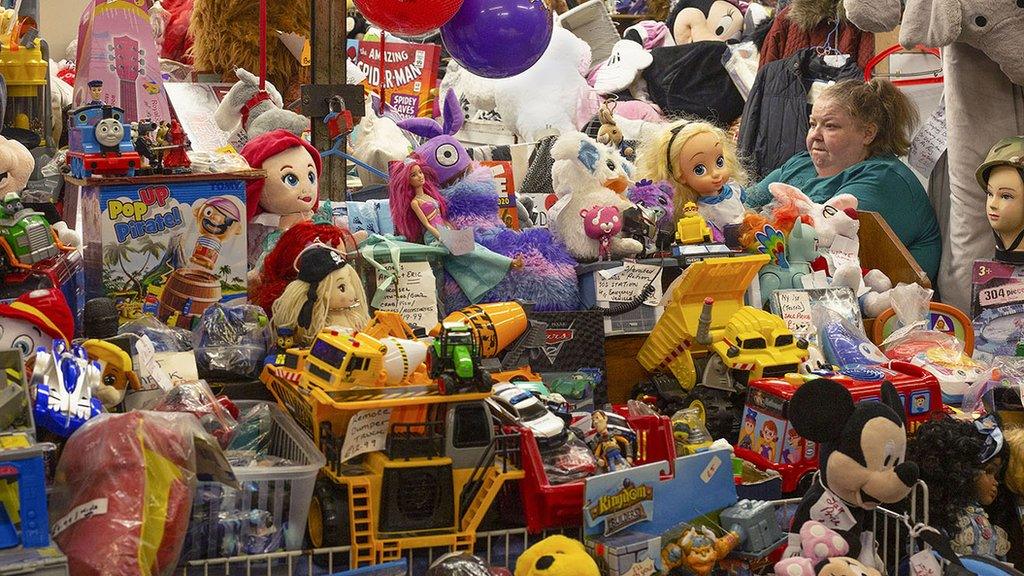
441, 151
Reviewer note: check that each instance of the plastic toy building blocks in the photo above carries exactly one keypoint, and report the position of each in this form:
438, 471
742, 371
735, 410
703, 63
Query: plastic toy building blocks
756, 524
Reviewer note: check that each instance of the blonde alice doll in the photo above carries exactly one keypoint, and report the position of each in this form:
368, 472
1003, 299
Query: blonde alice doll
327, 292
699, 160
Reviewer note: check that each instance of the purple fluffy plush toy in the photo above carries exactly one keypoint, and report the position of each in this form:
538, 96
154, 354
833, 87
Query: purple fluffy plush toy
548, 275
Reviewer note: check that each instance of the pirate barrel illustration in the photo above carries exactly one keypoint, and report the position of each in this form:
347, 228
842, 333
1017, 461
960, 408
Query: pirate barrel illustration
187, 294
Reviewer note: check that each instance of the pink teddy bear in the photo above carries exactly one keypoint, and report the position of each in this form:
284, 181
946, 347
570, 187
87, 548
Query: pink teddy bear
602, 223
817, 543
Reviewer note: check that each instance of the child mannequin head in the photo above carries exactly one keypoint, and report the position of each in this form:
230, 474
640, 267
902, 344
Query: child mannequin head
1002, 178
698, 158
293, 171
405, 177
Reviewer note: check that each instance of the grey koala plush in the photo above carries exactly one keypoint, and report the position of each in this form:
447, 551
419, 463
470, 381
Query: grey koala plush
260, 117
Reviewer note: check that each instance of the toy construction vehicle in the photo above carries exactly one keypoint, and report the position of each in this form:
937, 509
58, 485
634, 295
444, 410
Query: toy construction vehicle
454, 360
443, 463
706, 316
691, 227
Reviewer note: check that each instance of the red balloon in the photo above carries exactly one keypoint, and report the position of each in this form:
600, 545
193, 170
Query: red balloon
408, 17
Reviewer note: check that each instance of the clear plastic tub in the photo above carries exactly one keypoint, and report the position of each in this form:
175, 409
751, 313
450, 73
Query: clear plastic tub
269, 512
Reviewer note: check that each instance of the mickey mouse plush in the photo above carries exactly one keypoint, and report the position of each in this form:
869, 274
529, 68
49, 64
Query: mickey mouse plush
863, 458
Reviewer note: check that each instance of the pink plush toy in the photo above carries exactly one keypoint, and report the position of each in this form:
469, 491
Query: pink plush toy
816, 543
602, 223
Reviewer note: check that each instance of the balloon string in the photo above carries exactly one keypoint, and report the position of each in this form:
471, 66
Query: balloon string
380, 78
263, 45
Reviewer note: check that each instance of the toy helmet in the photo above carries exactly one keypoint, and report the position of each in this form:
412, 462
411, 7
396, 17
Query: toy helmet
1007, 152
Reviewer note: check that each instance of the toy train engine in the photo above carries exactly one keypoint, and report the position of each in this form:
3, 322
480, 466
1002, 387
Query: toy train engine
100, 142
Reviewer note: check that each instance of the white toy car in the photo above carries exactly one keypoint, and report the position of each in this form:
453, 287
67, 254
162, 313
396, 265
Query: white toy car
523, 407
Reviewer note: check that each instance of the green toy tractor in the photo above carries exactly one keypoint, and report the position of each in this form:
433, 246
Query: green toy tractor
455, 361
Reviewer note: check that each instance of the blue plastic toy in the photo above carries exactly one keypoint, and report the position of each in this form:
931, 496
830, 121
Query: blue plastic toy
845, 347
64, 380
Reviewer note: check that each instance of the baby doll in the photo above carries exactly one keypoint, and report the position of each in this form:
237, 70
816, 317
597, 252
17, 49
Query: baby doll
289, 194
960, 462
700, 162
326, 292
218, 220
602, 223
419, 213
1002, 178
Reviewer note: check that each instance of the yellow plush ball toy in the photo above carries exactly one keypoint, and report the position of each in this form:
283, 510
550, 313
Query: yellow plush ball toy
556, 556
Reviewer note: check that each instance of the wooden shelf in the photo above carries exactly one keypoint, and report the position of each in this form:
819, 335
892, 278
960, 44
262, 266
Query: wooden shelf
167, 178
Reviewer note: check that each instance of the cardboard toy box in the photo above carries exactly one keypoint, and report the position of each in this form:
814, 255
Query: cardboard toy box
569, 346
997, 307
627, 553
167, 246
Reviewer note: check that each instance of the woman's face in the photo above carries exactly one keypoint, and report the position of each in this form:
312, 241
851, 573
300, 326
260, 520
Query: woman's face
291, 184
702, 164
1005, 203
987, 482
416, 177
835, 139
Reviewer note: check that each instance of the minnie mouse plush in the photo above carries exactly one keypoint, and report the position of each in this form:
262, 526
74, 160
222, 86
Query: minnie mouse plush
863, 460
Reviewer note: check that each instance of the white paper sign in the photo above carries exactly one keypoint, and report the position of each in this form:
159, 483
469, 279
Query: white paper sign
367, 432
416, 295
929, 143
179, 366
844, 251
832, 512
924, 563
147, 358
816, 279
710, 469
645, 568
795, 310
626, 282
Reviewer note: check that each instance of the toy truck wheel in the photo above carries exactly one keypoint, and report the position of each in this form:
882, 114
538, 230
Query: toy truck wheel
328, 515
721, 410
446, 384
484, 381
433, 363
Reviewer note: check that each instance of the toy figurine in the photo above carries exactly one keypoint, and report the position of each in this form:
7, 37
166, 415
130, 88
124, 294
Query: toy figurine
326, 292
609, 133
613, 451
96, 92
64, 380
290, 192
691, 227
1002, 178
35, 320
420, 214
700, 161
602, 223
118, 371
218, 220
801, 248
176, 158
699, 550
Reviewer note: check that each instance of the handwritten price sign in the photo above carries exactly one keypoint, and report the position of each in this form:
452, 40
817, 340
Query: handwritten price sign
367, 432
625, 283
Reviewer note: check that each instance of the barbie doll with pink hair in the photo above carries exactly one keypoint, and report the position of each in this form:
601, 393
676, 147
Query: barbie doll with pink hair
419, 213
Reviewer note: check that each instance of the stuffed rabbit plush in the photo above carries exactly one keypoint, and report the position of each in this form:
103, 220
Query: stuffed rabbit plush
442, 151
244, 109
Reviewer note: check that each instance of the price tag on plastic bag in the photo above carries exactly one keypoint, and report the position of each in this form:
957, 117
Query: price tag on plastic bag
924, 563
147, 357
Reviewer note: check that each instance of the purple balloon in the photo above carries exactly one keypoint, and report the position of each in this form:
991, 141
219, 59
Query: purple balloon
498, 38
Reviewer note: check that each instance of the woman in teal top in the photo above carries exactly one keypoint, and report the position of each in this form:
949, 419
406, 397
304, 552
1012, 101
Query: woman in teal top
857, 131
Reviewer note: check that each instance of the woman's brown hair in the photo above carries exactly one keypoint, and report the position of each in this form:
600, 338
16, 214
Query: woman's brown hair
881, 103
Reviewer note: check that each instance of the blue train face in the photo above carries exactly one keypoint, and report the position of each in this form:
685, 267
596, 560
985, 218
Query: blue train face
109, 132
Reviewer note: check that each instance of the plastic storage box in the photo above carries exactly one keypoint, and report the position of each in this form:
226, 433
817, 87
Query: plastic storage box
548, 506
223, 522
47, 561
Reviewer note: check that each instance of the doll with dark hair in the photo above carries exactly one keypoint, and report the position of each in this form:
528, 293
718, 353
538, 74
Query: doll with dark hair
960, 461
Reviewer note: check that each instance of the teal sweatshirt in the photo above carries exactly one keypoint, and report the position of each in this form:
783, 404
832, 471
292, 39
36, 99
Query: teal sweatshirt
881, 184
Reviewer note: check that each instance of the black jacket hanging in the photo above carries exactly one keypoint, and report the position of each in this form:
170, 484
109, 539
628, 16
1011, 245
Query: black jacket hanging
690, 80
774, 125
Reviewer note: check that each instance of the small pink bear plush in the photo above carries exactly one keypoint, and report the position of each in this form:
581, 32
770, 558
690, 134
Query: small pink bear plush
602, 223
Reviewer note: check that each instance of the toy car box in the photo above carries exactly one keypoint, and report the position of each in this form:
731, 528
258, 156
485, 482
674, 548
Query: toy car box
171, 246
997, 307
632, 553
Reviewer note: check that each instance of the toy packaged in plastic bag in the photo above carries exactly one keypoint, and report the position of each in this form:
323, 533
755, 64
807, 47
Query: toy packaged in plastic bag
216, 414
231, 341
164, 338
232, 530
570, 461
124, 487
843, 344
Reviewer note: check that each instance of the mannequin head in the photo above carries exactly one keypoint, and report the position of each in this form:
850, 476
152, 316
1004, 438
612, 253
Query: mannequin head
698, 159
1002, 178
293, 171
700, 20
